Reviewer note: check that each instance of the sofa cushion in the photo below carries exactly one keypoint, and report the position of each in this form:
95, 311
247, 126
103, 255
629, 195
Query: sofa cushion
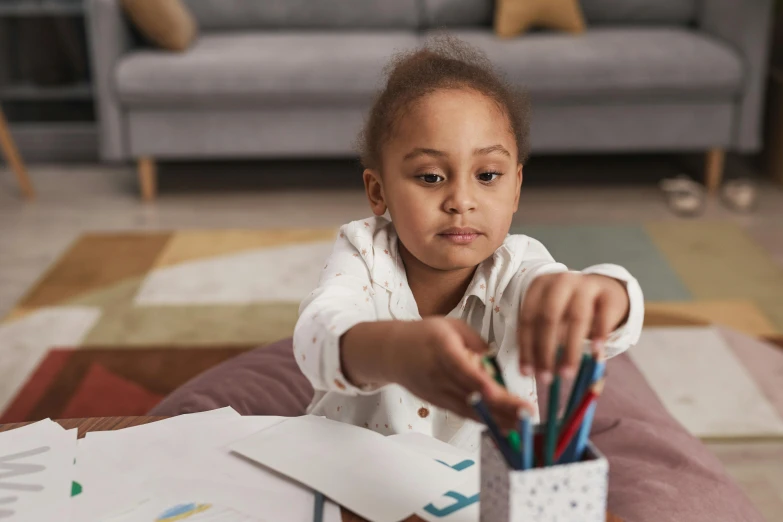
262, 68
292, 14
675, 12
478, 13
457, 13
615, 64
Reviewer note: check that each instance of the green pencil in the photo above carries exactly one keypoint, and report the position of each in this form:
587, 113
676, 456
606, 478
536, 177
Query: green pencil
491, 363
552, 427
494, 369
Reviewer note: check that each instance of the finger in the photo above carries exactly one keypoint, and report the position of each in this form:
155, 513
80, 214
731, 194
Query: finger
525, 339
503, 406
456, 400
506, 407
549, 321
525, 326
465, 370
471, 339
580, 319
601, 325
458, 405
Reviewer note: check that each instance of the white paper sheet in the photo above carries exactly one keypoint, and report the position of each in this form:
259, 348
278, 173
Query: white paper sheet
461, 503
180, 422
120, 470
36, 465
364, 471
222, 502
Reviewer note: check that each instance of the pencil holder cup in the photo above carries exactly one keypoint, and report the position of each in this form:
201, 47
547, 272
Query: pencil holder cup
573, 492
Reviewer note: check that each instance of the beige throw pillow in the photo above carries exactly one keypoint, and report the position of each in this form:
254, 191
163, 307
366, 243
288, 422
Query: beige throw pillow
166, 23
514, 17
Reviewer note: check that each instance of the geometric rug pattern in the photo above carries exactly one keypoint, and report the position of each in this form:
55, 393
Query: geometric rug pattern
117, 301
101, 382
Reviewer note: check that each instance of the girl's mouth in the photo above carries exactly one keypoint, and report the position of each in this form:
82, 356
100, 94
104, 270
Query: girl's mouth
459, 235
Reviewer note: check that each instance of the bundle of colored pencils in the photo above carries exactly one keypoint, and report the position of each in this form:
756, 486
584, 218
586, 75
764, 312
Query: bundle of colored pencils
559, 441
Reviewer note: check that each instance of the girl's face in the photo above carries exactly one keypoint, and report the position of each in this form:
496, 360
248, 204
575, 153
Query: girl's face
450, 179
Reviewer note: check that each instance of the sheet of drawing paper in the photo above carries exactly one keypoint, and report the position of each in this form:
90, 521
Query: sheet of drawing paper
113, 467
36, 466
223, 502
155, 451
461, 503
181, 421
364, 471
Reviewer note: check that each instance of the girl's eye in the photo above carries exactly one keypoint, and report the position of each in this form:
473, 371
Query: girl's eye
488, 177
431, 179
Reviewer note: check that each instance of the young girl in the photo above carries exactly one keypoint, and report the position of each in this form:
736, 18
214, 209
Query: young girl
391, 339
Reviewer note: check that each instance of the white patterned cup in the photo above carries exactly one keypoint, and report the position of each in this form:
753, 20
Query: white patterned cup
573, 492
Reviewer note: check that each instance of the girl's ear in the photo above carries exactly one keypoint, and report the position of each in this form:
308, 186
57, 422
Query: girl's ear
373, 186
519, 187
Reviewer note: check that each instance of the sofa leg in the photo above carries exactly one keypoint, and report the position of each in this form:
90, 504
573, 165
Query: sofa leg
713, 169
148, 178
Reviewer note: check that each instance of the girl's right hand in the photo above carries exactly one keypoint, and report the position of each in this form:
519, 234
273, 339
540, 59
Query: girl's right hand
439, 360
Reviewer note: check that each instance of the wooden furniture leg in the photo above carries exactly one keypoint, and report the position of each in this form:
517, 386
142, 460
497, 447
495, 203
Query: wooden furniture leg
14, 159
148, 178
713, 169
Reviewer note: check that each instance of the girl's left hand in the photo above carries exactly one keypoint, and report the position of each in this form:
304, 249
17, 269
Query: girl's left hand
565, 309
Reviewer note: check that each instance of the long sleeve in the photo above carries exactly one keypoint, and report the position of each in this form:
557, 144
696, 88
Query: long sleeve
343, 299
628, 333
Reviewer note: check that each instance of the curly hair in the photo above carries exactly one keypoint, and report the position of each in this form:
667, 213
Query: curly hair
444, 62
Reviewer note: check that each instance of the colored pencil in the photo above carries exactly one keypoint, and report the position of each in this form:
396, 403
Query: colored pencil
491, 363
579, 385
477, 402
577, 446
526, 432
551, 422
574, 422
318, 509
514, 442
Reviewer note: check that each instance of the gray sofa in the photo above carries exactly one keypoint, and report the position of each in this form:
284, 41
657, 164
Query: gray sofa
294, 78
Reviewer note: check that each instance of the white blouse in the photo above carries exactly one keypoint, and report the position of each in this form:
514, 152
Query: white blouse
364, 280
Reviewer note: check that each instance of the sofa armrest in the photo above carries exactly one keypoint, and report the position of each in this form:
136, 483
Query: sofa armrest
746, 25
110, 37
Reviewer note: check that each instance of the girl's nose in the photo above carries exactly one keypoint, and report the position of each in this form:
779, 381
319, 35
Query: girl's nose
460, 199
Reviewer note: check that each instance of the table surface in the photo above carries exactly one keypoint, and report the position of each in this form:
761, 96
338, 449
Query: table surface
117, 423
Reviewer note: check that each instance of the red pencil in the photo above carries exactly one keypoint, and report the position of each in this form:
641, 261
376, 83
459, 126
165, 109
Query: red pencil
572, 425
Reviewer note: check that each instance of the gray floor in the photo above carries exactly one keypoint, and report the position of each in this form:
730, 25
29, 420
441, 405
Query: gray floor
74, 199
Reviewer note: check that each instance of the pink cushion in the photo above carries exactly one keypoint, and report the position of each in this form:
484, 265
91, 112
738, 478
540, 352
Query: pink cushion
658, 472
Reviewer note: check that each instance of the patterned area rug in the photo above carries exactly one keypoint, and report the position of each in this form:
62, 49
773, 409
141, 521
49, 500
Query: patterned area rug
104, 382
130, 305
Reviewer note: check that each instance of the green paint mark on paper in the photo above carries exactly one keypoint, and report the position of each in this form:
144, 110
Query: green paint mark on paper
76, 488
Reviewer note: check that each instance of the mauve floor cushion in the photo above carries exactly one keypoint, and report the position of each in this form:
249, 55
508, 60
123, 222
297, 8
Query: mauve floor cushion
658, 472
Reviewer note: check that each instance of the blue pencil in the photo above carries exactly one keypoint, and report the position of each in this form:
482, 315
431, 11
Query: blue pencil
577, 447
318, 510
477, 402
526, 433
